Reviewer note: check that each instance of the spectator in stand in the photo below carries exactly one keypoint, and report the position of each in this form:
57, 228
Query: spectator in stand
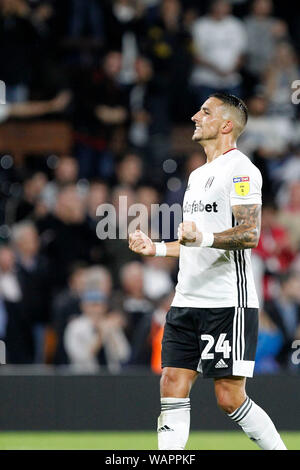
114, 230
13, 322
66, 304
157, 330
288, 172
129, 169
278, 130
86, 20
149, 218
96, 196
167, 42
24, 31
271, 135
138, 310
124, 19
99, 277
66, 173
18, 40
26, 206
100, 113
33, 274
64, 234
280, 74
95, 338
158, 277
166, 38
149, 104
263, 32
43, 16
270, 342
266, 140
143, 99
273, 254
290, 211
219, 46
284, 311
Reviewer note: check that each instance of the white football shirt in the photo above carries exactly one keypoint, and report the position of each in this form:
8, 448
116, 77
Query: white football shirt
210, 277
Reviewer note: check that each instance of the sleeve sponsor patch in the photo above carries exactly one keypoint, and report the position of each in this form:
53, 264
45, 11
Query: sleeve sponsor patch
241, 185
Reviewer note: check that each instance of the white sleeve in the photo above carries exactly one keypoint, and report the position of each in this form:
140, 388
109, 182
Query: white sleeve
245, 184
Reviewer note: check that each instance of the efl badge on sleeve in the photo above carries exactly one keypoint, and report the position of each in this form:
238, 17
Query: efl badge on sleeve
241, 185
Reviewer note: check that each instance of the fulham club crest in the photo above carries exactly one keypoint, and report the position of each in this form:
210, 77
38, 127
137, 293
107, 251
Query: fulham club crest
209, 182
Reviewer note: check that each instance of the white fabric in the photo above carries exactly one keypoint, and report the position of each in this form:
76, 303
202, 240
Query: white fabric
9, 287
161, 249
243, 368
157, 282
221, 43
273, 133
208, 277
177, 423
260, 428
207, 239
79, 337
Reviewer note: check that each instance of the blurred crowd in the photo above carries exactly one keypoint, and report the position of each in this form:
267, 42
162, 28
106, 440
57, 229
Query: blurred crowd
126, 74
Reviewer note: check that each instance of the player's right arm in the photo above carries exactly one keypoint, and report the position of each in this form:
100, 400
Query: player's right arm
143, 245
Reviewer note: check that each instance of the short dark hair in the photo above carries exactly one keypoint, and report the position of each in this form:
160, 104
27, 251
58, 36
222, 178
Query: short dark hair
234, 101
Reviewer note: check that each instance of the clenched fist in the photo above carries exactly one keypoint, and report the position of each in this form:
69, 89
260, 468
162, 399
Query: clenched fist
188, 234
141, 244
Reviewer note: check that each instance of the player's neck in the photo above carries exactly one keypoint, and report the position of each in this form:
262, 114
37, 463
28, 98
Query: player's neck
215, 149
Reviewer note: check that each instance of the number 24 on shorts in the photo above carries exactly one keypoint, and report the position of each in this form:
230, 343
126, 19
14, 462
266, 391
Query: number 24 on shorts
222, 346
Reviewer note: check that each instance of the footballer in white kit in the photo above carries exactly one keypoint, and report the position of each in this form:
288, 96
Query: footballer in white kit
212, 325
215, 294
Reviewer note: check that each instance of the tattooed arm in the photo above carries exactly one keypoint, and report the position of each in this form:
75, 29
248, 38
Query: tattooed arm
244, 235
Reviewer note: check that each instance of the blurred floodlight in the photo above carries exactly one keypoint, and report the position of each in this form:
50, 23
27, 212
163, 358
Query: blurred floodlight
4, 231
6, 162
169, 166
173, 184
52, 161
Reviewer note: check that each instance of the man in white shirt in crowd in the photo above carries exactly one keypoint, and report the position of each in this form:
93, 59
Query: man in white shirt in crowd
219, 45
95, 338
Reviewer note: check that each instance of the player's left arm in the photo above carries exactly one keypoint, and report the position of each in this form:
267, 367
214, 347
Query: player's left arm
247, 231
244, 235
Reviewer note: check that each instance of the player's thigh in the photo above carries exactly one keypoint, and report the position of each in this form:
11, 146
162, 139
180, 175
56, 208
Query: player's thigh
176, 382
180, 347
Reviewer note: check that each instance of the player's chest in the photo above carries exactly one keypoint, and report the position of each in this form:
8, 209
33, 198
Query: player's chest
204, 195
